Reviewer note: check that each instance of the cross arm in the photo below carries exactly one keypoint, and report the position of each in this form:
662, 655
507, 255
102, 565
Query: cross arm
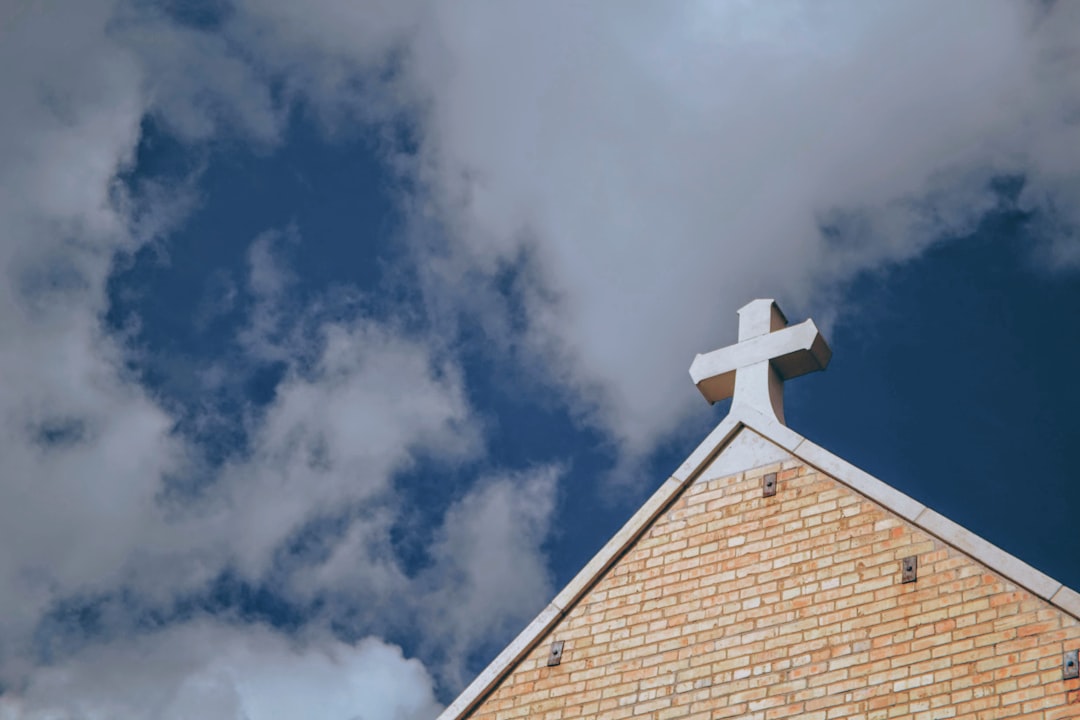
792, 351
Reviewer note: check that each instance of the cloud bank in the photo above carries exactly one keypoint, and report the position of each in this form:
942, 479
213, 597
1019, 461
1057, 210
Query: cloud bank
109, 512
638, 164
207, 669
660, 166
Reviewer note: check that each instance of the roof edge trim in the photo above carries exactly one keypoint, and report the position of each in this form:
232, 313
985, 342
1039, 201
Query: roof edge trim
974, 546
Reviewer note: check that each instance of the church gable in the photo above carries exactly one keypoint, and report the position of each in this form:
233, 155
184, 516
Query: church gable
768, 578
733, 604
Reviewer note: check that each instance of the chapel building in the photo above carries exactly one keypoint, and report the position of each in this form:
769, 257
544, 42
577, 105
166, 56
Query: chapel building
768, 578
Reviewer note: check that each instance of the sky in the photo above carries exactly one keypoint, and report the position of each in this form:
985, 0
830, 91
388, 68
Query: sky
336, 337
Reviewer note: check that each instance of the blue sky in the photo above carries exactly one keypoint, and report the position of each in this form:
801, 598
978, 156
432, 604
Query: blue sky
336, 339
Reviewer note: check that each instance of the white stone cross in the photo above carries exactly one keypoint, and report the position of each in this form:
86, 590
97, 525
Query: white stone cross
768, 353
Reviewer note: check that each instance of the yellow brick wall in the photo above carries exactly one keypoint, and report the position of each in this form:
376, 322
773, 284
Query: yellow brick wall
735, 605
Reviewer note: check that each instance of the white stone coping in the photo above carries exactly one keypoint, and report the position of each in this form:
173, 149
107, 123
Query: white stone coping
980, 550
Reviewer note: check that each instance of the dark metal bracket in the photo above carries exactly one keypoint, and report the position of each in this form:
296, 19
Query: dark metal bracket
1070, 667
909, 569
555, 656
768, 485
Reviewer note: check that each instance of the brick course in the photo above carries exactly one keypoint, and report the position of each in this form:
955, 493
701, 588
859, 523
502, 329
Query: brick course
735, 605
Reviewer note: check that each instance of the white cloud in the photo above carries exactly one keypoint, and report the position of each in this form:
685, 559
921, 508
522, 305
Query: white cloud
658, 167
663, 167
82, 447
268, 281
487, 577
333, 57
323, 460
198, 84
336, 434
211, 669
87, 453
490, 575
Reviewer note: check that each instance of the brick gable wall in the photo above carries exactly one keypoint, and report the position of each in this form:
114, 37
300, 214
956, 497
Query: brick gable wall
735, 605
